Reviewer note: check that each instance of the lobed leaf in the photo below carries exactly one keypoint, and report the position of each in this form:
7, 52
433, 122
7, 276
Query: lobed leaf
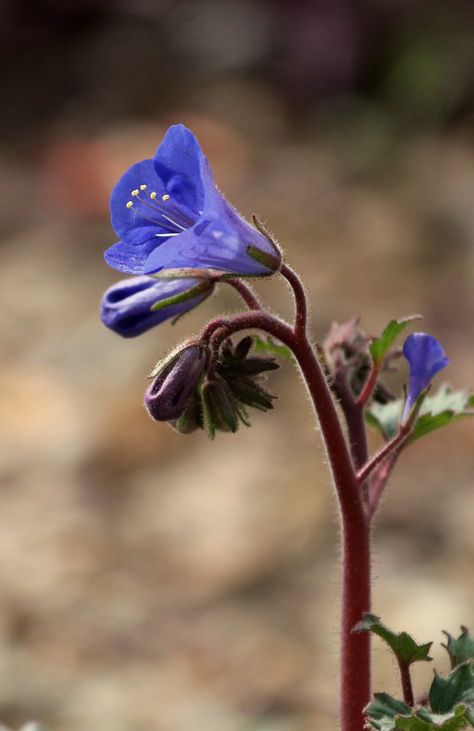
380, 346
388, 714
460, 649
456, 687
442, 408
402, 644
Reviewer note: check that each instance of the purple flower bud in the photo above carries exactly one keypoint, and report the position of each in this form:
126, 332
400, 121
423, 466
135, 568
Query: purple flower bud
425, 357
168, 394
132, 306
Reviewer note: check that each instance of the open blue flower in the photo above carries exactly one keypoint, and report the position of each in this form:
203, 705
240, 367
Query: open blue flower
172, 219
134, 305
425, 357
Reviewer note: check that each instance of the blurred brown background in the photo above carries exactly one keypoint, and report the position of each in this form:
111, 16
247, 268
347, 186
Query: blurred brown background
151, 581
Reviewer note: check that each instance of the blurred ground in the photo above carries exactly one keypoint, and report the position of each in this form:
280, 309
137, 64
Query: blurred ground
151, 581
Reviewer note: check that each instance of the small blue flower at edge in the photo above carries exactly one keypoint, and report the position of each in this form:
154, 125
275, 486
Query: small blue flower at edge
425, 357
126, 307
172, 219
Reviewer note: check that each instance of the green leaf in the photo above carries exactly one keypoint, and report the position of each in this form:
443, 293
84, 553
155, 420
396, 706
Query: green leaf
422, 720
403, 645
388, 714
460, 649
385, 417
383, 710
268, 345
380, 346
456, 687
444, 407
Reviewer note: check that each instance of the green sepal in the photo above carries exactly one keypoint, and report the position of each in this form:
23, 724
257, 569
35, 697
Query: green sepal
380, 346
191, 418
262, 257
252, 366
460, 649
402, 644
251, 394
218, 407
204, 285
388, 714
243, 347
456, 687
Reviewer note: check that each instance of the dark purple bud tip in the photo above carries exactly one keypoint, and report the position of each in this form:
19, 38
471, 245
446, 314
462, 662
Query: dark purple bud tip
168, 394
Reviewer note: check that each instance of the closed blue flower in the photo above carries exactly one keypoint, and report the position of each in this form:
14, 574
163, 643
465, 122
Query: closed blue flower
127, 306
172, 388
172, 219
425, 357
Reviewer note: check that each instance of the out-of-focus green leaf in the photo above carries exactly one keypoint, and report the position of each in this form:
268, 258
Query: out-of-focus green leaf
444, 407
385, 417
268, 345
380, 346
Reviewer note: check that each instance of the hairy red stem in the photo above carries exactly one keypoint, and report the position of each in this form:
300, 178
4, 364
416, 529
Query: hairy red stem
245, 292
406, 684
355, 648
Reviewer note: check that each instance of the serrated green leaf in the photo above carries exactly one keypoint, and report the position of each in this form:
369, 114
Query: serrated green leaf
402, 644
444, 407
383, 710
460, 649
388, 714
422, 720
379, 346
268, 345
456, 687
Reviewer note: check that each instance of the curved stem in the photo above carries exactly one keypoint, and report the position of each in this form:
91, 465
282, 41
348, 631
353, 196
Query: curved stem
245, 292
301, 307
387, 449
369, 385
355, 648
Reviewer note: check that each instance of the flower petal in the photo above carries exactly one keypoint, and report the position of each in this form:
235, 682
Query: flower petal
129, 258
126, 306
178, 163
425, 357
139, 222
221, 244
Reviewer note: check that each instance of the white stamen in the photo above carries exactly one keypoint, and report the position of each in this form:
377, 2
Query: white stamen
135, 192
167, 235
129, 204
174, 222
165, 197
142, 186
